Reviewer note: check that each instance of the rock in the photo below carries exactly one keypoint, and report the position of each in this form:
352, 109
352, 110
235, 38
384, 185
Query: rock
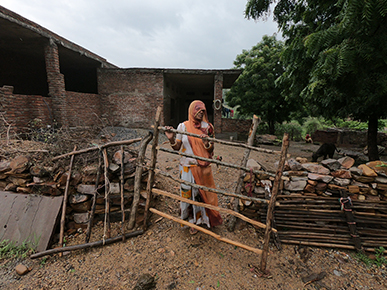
145, 282
320, 177
309, 188
380, 179
342, 173
295, 185
367, 171
114, 188
301, 160
81, 207
361, 197
90, 169
249, 178
4, 166
312, 182
18, 181
363, 179
21, 269
295, 173
321, 186
78, 198
356, 171
346, 162
335, 187
10, 187
341, 181
316, 168
81, 218
19, 164
252, 164
40, 171
331, 164
294, 165
86, 188
359, 184
114, 167
117, 157
378, 166
381, 186
353, 189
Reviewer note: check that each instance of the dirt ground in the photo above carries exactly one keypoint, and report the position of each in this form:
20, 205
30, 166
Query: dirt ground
178, 260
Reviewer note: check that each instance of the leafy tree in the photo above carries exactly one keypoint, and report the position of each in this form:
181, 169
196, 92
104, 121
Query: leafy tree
335, 56
255, 91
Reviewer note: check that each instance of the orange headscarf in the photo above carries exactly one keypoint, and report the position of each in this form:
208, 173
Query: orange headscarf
203, 172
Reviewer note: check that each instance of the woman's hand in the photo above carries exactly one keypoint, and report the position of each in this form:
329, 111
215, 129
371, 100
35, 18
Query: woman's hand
206, 143
170, 135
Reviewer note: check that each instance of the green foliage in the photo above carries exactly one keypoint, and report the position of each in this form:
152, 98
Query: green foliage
378, 261
294, 129
312, 124
9, 249
255, 91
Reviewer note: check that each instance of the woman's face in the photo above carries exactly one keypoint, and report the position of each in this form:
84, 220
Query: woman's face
199, 115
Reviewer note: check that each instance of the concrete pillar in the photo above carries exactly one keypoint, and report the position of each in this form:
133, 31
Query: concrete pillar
56, 84
218, 94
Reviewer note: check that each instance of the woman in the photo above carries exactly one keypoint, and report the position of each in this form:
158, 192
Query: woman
193, 170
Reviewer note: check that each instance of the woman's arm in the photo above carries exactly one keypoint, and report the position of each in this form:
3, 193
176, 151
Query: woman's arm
175, 144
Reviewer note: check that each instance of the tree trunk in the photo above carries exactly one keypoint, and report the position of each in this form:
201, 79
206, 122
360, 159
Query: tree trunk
271, 127
372, 142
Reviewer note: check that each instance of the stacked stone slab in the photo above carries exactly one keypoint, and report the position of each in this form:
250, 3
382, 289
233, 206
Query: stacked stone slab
22, 175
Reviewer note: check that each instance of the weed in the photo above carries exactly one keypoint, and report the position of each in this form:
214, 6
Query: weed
9, 249
378, 261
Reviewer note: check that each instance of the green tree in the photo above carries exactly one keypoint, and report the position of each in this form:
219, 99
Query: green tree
335, 57
255, 91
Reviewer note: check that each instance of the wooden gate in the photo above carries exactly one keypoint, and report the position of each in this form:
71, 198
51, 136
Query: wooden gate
236, 195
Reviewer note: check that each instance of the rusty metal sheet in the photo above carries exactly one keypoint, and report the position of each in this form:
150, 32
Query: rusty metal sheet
27, 217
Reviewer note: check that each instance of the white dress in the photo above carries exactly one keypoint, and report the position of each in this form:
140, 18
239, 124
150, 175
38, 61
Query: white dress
192, 213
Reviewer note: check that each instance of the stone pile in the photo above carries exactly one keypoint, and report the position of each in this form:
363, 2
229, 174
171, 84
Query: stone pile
310, 201
364, 182
20, 175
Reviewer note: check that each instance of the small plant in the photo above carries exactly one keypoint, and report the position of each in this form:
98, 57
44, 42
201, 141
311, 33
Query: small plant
378, 261
9, 249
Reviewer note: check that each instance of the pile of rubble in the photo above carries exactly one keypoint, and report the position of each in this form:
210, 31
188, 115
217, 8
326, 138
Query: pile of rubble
21, 175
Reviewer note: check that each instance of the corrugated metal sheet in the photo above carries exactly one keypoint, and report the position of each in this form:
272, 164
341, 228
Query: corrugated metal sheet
26, 217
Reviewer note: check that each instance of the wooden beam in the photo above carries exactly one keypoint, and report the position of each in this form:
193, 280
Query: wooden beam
208, 232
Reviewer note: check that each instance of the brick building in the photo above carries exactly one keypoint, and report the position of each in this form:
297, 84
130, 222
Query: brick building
45, 76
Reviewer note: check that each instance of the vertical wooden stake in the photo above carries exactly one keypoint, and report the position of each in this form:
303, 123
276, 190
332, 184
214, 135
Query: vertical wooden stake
238, 190
151, 175
270, 208
64, 204
122, 194
107, 198
94, 202
137, 179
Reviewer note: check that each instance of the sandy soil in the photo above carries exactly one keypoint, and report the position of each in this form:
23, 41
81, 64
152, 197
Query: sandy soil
178, 260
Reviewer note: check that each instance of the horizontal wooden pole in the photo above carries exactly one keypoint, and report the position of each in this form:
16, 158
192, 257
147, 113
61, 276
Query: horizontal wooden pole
210, 206
218, 162
87, 245
244, 197
235, 144
208, 232
116, 143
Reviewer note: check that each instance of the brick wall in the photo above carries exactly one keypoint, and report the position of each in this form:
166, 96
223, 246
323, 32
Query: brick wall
20, 110
236, 125
130, 97
83, 109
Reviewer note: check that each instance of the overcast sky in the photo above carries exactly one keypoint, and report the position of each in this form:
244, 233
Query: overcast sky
193, 34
